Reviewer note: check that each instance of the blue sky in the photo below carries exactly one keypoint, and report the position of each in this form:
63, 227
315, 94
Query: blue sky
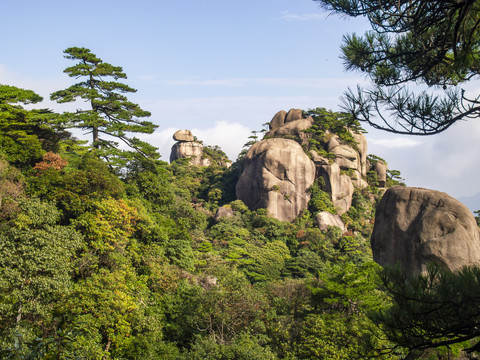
220, 68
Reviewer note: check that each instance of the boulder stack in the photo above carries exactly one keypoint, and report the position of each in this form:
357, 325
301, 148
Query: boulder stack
187, 147
345, 169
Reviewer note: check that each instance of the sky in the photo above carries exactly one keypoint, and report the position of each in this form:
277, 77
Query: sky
221, 68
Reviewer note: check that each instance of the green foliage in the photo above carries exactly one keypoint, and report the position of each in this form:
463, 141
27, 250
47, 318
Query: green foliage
394, 178
359, 218
338, 336
74, 189
319, 200
265, 263
341, 124
36, 269
108, 254
432, 310
216, 155
434, 43
11, 189
243, 347
26, 134
111, 114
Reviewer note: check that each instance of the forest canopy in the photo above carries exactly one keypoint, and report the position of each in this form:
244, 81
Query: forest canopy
109, 253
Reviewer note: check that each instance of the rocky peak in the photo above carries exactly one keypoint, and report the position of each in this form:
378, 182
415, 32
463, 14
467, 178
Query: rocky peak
337, 152
187, 146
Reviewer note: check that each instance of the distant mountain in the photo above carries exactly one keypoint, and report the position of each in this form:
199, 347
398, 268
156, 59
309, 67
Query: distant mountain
472, 201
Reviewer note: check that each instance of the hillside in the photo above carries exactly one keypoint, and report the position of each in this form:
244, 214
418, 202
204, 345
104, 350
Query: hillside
140, 259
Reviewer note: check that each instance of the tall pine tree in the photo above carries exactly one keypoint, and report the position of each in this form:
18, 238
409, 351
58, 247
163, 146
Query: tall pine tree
111, 117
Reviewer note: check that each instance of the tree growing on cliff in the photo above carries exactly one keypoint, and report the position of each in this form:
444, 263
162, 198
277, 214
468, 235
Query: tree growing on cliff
111, 115
432, 43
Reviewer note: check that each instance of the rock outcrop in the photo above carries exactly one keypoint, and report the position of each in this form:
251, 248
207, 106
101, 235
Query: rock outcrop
381, 169
339, 186
352, 159
187, 146
223, 212
184, 136
189, 149
292, 130
278, 120
276, 176
282, 117
362, 148
326, 219
341, 163
417, 226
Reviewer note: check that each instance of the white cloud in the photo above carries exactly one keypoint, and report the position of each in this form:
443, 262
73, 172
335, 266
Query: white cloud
229, 136
302, 17
395, 143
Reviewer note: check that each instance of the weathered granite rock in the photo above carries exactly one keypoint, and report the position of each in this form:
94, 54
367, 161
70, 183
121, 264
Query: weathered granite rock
276, 175
187, 147
362, 147
417, 226
357, 180
294, 114
318, 159
381, 169
348, 157
340, 186
192, 150
183, 135
222, 212
292, 129
345, 156
278, 120
326, 219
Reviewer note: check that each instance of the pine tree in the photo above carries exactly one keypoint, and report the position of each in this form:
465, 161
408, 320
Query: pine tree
111, 116
26, 134
434, 43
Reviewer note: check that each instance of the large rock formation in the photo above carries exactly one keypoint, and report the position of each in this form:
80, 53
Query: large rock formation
276, 176
352, 159
342, 165
192, 150
417, 226
187, 146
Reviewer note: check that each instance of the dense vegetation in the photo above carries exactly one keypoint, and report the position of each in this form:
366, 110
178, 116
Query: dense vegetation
103, 259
